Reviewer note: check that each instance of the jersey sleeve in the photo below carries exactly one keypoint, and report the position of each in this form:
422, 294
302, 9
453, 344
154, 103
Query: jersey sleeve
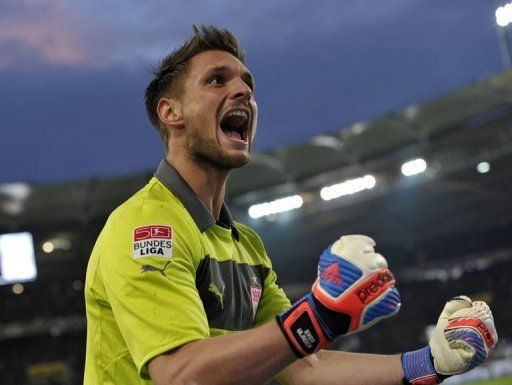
147, 265
273, 300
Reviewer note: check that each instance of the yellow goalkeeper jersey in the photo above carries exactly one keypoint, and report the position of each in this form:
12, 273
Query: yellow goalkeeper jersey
164, 273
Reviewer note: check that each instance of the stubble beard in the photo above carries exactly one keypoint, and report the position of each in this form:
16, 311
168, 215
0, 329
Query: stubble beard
208, 153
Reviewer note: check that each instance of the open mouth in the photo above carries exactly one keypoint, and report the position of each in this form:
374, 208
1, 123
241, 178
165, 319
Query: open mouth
235, 125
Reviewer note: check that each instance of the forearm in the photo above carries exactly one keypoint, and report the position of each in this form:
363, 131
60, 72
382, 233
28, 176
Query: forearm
250, 357
341, 368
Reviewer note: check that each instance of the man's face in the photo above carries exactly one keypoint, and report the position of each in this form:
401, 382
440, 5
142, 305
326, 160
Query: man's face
219, 110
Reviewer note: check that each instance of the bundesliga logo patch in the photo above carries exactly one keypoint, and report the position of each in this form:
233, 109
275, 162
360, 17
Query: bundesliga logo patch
152, 241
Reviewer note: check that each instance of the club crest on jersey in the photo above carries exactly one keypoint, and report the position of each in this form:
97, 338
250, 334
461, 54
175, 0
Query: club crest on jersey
152, 241
255, 298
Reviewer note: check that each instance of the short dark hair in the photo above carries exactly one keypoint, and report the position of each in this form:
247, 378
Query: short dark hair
168, 74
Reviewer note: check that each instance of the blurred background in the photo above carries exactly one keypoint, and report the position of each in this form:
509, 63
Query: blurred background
392, 119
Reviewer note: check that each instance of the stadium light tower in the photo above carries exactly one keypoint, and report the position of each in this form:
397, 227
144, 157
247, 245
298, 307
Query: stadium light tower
503, 19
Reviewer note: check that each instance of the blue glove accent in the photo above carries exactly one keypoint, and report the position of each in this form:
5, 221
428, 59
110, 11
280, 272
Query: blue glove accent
474, 339
419, 366
386, 306
336, 274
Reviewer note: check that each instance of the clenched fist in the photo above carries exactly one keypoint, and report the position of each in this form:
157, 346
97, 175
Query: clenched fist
464, 338
354, 290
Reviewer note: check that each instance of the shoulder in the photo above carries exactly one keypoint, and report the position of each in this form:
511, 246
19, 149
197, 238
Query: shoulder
152, 213
154, 203
153, 200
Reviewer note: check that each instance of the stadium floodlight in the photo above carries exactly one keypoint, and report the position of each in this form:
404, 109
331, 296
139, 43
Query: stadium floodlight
17, 288
348, 187
483, 167
48, 247
276, 206
413, 167
504, 15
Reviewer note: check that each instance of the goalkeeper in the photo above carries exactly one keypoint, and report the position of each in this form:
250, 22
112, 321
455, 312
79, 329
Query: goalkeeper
179, 293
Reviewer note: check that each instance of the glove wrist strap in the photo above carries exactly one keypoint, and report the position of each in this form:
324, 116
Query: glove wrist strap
418, 367
303, 328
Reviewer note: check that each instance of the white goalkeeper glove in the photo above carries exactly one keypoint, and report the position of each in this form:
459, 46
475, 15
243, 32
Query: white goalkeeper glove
354, 290
464, 338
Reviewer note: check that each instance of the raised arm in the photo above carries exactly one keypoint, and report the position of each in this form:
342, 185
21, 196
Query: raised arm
464, 338
334, 368
251, 357
353, 291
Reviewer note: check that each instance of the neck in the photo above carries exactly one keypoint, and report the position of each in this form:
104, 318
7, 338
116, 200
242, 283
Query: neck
207, 181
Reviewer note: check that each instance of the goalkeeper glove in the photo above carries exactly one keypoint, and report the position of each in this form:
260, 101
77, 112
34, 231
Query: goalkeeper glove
464, 338
354, 290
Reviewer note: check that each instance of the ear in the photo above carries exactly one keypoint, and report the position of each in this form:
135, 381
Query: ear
169, 111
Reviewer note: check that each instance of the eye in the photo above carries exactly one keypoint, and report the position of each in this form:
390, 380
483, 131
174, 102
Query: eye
216, 80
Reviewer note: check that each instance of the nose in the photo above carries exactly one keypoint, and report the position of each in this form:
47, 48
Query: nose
241, 91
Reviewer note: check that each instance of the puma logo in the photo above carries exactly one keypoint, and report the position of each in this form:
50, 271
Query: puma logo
220, 294
146, 268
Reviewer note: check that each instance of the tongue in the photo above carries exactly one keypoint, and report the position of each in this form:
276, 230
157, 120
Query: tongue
233, 134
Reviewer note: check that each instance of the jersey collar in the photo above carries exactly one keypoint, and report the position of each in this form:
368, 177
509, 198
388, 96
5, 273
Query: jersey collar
171, 179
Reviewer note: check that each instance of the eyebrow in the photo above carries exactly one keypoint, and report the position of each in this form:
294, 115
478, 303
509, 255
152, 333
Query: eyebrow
246, 75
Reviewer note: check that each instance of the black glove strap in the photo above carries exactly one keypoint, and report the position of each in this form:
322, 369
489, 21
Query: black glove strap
338, 323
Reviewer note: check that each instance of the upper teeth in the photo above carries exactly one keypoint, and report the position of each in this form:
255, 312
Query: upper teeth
238, 113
